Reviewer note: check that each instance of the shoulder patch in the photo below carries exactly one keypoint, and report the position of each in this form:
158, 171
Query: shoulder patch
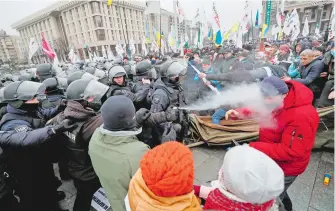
21, 128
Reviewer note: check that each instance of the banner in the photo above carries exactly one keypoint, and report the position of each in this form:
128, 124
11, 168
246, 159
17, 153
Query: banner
267, 16
305, 30
47, 48
33, 47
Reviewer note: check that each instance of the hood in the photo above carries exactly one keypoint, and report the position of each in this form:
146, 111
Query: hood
141, 198
316, 59
76, 111
304, 46
299, 95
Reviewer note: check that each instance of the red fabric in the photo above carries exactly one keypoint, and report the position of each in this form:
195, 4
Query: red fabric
47, 48
291, 142
168, 169
217, 201
196, 189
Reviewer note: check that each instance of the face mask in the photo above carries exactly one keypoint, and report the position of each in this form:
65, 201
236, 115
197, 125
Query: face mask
332, 52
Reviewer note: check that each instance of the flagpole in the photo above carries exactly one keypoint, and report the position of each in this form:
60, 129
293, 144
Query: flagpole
252, 27
175, 20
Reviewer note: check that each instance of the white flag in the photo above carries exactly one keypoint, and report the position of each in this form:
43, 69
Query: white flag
153, 7
103, 52
110, 54
33, 47
305, 30
292, 23
132, 47
331, 26
317, 30
239, 38
144, 48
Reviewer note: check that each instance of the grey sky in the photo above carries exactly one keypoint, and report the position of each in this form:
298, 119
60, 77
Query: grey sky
229, 10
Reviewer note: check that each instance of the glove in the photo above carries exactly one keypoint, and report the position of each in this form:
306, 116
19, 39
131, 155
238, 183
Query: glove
62, 105
172, 114
169, 134
142, 115
65, 125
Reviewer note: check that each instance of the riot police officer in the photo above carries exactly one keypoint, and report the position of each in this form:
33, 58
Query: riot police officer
118, 86
54, 92
45, 71
81, 95
100, 74
22, 127
80, 75
167, 93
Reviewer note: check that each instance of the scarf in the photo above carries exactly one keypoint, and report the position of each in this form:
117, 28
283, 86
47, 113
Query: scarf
219, 199
142, 199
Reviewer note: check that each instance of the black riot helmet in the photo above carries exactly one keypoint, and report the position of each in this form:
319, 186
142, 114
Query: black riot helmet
55, 85
80, 75
116, 71
171, 68
143, 67
91, 91
45, 71
19, 92
90, 70
24, 77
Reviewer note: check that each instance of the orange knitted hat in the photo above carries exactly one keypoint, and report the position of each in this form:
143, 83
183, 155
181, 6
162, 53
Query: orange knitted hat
168, 169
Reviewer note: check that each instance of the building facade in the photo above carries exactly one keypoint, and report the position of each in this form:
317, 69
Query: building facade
9, 48
316, 12
90, 26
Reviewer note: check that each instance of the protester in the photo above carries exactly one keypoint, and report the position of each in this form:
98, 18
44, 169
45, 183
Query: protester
164, 180
310, 70
291, 141
115, 150
284, 53
248, 182
327, 95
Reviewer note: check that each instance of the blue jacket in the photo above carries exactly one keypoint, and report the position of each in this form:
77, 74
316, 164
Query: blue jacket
19, 132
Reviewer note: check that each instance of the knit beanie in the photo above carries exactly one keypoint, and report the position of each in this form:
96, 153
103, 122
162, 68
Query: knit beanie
285, 48
118, 114
168, 169
251, 175
272, 86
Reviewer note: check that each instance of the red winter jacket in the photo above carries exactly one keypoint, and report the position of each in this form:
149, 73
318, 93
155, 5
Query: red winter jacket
291, 142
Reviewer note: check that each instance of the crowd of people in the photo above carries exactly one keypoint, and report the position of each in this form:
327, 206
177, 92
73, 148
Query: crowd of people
116, 124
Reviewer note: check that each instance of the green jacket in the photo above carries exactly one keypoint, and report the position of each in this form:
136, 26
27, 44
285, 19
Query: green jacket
227, 64
116, 157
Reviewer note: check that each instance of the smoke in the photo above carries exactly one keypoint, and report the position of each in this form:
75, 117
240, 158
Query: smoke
242, 96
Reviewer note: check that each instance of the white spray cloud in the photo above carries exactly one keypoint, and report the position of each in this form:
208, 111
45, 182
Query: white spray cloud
241, 96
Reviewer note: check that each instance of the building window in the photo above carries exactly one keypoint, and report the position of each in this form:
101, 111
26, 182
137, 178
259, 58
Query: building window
74, 28
98, 21
100, 34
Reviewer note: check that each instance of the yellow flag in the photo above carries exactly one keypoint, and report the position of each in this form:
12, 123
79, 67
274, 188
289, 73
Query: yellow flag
109, 2
265, 26
234, 28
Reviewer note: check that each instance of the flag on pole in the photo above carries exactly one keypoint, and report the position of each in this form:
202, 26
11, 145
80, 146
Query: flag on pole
47, 48
265, 29
233, 29
239, 38
257, 17
245, 20
33, 47
180, 13
144, 48
196, 18
317, 29
109, 2
290, 22
132, 47
305, 30
331, 26
216, 27
152, 7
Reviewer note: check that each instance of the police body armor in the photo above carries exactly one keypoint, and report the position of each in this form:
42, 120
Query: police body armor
113, 88
52, 101
177, 99
79, 162
34, 122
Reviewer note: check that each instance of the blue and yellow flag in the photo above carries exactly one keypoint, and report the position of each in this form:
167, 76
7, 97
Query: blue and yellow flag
109, 2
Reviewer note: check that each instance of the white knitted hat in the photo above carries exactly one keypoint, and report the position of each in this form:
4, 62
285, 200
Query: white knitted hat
251, 175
